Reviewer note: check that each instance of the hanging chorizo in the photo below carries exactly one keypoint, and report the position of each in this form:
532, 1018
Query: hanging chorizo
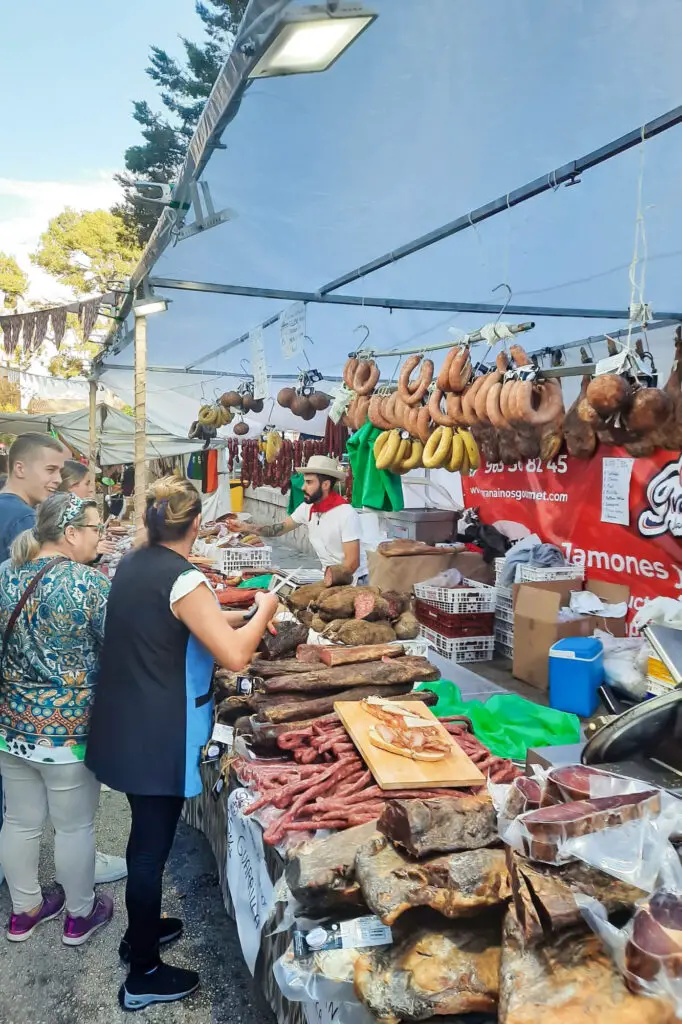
413, 392
453, 406
469, 402
536, 404
460, 370
481, 400
422, 423
443, 380
435, 411
349, 372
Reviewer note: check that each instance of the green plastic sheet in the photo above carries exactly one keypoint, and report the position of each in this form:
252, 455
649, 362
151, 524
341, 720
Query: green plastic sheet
295, 493
505, 723
257, 582
372, 487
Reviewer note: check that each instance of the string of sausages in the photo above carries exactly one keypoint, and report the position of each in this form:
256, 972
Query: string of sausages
328, 786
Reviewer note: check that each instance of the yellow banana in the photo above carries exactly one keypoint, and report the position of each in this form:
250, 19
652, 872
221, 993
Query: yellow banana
380, 443
401, 454
471, 448
389, 450
438, 448
457, 454
465, 468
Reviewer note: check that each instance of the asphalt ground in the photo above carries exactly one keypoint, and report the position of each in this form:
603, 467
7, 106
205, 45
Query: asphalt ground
44, 982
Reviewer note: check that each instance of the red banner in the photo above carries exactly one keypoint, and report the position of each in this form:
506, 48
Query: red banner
561, 501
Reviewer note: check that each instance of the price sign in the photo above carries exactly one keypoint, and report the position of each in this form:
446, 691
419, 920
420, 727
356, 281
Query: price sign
292, 329
258, 364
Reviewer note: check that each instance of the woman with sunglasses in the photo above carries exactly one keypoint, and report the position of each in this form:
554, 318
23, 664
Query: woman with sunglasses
52, 608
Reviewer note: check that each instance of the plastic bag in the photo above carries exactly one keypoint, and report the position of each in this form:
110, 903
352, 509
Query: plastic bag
648, 950
664, 611
449, 579
625, 663
508, 725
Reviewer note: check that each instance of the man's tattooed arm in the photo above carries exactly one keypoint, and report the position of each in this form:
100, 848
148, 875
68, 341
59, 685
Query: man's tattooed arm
272, 531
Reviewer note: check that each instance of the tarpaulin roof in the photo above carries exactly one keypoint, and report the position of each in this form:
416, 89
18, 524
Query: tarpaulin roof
115, 434
436, 109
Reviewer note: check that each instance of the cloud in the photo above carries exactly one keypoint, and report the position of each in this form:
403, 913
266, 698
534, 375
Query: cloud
27, 206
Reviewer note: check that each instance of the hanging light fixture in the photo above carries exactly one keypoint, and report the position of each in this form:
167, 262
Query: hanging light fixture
311, 38
146, 302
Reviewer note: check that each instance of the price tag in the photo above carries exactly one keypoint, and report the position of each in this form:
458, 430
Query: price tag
292, 329
612, 364
341, 399
223, 734
258, 364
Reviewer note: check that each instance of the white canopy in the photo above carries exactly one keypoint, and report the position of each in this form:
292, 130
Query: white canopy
115, 434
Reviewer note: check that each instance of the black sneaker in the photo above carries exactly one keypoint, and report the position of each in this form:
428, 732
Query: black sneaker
163, 984
170, 929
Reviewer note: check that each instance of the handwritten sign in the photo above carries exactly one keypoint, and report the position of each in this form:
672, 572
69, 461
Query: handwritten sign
615, 491
292, 329
247, 876
329, 1012
258, 365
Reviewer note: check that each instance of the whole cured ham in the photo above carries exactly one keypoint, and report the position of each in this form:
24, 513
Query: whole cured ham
581, 439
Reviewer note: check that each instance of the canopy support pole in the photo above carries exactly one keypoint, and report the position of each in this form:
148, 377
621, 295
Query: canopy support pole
92, 432
140, 421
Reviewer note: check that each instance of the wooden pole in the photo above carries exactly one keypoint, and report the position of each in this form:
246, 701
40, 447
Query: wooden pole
140, 421
92, 424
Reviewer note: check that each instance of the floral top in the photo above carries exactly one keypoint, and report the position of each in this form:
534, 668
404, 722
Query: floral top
51, 663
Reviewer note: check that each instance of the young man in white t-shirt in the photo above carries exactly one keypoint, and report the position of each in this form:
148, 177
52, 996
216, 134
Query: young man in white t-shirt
333, 524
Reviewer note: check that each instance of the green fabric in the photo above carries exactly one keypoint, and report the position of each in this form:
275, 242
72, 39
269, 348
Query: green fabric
507, 724
257, 583
372, 487
295, 493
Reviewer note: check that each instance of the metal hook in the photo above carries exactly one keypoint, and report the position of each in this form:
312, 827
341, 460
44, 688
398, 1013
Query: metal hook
245, 371
361, 327
509, 298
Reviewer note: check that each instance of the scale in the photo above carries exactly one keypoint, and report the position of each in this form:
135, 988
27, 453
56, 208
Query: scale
645, 742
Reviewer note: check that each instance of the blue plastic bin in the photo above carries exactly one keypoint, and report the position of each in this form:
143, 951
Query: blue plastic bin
576, 669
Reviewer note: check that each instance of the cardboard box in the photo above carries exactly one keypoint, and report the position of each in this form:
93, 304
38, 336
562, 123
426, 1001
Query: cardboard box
536, 625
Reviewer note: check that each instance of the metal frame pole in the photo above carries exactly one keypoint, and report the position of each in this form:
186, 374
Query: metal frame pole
140, 450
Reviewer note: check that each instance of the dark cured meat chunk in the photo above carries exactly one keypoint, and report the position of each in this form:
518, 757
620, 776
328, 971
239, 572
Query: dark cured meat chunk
331, 655
266, 669
309, 654
321, 873
568, 980
371, 607
433, 968
554, 824
573, 782
337, 576
458, 885
524, 795
544, 896
441, 825
380, 673
656, 943
288, 707
289, 636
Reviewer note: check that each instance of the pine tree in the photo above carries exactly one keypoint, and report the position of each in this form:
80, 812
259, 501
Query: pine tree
184, 87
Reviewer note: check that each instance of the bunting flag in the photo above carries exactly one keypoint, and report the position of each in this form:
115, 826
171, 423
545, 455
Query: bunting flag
88, 314
31, 328
58, 318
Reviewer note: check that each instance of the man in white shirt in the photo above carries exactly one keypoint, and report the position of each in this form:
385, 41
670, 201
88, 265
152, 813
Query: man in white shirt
333, 524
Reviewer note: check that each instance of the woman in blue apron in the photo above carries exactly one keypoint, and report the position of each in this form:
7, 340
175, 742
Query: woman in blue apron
152, 715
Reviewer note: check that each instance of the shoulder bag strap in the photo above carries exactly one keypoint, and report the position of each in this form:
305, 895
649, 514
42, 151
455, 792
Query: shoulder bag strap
21, 604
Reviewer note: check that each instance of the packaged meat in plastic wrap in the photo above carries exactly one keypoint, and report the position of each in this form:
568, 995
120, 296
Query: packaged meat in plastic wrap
648, 950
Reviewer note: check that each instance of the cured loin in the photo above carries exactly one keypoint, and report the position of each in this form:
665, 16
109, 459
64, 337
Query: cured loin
397, 670
569, 980
457, 885
355, 655
442, 825
433, 968
298, 706
321, 873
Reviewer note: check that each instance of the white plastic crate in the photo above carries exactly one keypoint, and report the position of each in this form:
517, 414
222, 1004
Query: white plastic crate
231, 560
462, 649
534, 574
504, 632
505, 649
505, 615
476, 597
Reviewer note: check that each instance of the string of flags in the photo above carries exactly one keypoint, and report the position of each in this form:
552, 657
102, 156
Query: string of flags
29, 330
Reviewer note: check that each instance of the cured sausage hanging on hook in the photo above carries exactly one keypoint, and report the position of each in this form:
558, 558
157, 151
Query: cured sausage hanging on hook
413, 393
460, 370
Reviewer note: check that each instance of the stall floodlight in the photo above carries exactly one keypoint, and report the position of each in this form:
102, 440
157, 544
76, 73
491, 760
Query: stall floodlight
309, 39
147, 303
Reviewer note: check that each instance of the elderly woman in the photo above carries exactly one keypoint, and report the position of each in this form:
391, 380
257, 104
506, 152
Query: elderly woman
52, 608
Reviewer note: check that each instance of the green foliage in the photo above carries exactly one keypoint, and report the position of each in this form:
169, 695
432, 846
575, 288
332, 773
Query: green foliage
86, 250
13, 281
184, 87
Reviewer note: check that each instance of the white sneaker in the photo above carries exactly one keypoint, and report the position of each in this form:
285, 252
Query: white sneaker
109, 869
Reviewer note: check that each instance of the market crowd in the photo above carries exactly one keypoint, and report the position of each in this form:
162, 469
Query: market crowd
103, 683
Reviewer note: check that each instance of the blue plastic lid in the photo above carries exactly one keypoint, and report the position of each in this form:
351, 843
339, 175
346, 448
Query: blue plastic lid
585, 647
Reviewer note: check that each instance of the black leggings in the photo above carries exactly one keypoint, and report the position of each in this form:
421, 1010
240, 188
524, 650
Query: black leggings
154, 821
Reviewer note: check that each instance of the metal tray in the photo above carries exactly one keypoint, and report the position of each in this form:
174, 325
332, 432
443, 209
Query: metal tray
637, 731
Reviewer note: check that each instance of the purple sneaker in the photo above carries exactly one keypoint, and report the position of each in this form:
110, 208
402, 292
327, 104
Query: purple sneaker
22, 926
78, 930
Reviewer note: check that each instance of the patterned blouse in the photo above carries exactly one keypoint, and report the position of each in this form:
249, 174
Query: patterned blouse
51, 664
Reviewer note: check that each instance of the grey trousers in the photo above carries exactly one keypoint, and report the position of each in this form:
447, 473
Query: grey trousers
69, 794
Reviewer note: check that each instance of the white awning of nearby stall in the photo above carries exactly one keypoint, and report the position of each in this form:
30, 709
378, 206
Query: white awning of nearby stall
115, 434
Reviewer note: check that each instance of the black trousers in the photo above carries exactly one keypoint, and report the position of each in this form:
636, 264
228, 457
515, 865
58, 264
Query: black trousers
154, 822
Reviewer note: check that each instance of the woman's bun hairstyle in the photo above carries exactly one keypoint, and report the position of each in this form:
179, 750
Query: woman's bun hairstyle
172, 506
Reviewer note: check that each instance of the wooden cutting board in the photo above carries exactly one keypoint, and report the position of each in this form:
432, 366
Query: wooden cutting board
392, 771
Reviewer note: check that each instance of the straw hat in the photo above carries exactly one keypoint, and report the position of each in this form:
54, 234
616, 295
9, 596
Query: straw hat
322, 465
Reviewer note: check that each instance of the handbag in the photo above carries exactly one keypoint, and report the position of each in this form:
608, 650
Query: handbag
21, 604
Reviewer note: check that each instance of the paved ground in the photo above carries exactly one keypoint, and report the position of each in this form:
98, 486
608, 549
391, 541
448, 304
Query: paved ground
44, 982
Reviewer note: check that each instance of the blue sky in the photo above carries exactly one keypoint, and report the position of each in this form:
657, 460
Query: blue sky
68, 74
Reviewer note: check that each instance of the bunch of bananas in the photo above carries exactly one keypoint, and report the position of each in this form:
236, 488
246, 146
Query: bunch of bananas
397, 453
452, 448
215, 416
273, 442
447, 448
